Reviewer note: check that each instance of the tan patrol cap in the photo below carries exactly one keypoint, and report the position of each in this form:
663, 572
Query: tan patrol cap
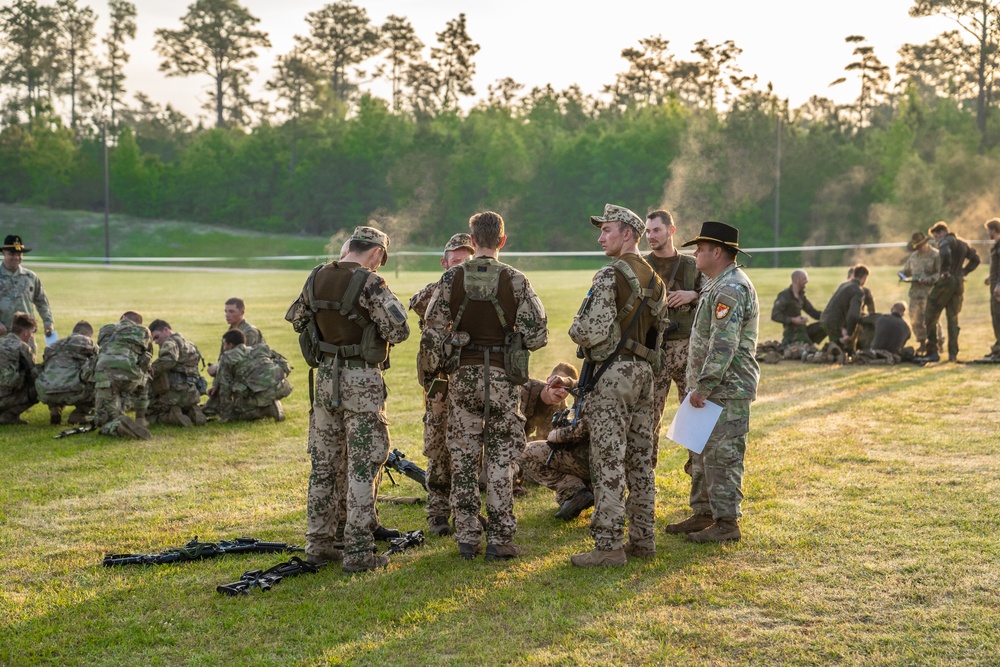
615, 213
460, 240
372, 235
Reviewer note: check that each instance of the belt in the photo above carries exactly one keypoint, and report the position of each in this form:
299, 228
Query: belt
358, 363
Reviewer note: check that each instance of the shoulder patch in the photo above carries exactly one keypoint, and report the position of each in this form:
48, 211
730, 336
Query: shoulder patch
721, 310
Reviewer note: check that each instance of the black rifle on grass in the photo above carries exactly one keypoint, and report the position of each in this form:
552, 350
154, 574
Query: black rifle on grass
397, 461
265, 579
195, 550
82, 428
411, 538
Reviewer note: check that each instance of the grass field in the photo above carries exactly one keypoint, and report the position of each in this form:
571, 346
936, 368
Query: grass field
870, 527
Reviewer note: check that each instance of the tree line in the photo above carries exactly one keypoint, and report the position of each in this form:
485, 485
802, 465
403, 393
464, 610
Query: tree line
695, 133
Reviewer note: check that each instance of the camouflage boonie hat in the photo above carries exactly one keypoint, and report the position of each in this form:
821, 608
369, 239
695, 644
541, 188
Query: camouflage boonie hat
457, 241
372, 235
615, 213
15, 244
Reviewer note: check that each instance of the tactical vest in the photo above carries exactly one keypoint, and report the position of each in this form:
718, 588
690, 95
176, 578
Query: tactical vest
683, 316
481, 284
649, 348
371, 348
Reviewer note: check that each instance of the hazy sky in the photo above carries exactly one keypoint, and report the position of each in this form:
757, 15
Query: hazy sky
795, 44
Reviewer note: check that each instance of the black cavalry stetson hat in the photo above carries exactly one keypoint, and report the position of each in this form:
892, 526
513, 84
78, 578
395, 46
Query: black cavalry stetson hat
14, 242
718, 232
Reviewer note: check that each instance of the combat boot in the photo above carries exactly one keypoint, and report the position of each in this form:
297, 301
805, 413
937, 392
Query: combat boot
79, 416
636, 551
383, 534
598, 558
580, 501
468, 551
373, 562
127, 427
140, 418
177, 417
11, 419
324, 557
723, 530
55, 415
439, 526
198, 417
495, 552
276, 412
692, 524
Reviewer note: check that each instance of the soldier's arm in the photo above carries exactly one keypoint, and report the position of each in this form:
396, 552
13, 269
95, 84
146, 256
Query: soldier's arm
44, 311
437, 317
387, 312
299, 313
419, 301
167, 359
972, 262
593, 323
809, 308
854, 311
778, 310
727, 311
944, 253
530, 319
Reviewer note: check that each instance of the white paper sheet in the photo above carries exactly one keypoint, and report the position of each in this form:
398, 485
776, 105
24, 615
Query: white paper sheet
692, 426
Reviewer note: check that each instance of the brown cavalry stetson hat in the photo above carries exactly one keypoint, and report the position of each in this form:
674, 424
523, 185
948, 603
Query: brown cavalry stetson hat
718, 232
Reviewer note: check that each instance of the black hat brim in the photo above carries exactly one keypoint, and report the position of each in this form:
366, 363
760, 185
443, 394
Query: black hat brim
709, 239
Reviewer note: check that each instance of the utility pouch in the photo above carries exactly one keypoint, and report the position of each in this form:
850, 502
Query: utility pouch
515, 358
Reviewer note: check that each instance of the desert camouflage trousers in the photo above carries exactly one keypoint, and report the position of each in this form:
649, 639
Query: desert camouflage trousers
113, 397
348, 444
564, 473
674, 370
946, 297
717, 473
619, 417
438, 464
468, 447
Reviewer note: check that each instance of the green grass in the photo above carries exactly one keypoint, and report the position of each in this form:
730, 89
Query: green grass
869, 530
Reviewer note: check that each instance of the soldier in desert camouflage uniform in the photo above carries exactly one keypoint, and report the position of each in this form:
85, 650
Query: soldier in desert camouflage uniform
626, 304
17, 370
356, 317
234, 311
121, 377
922, 267
176, 386
457, 250
485, 307
721, 368
66, 375
251, 381
20, 289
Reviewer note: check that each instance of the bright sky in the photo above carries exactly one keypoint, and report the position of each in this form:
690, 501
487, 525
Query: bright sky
795, 44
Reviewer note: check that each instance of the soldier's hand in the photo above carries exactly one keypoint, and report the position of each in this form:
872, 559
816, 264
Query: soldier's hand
697, 400
996, 292
801, 319
48, 331
212, 369
3, 329
681, 298
438, 406
560, 381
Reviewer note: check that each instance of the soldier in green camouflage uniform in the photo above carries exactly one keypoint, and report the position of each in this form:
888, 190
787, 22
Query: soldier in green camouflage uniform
721, 368
457, 250
251, 381
121, 377
176, 385
235, 311
20, 289
922, 267
17, 370
484, 422
348, 429
66, 375
993, 282
626, 304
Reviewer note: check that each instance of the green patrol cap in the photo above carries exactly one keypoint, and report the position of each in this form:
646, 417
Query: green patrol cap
615, 213
372, 235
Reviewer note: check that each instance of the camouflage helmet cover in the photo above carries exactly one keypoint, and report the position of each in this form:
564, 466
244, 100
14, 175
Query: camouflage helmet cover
372, 235
615, 213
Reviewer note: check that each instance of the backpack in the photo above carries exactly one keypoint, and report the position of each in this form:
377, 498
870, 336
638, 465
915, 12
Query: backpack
482, 284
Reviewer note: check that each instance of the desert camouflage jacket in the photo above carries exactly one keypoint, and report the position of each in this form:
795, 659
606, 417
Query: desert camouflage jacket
922, 267
721, 361
19, 291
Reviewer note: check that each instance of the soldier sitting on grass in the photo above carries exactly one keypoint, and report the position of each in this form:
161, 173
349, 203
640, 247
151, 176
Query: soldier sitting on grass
66, 375
17, 370
251, 381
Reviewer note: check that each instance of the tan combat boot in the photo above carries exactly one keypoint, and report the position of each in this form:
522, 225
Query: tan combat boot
371, 563
723, 530
322, 558
128, 428
495, 552
55, 415
692, 524
176, 416
140, 418
636, 551
598, 558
